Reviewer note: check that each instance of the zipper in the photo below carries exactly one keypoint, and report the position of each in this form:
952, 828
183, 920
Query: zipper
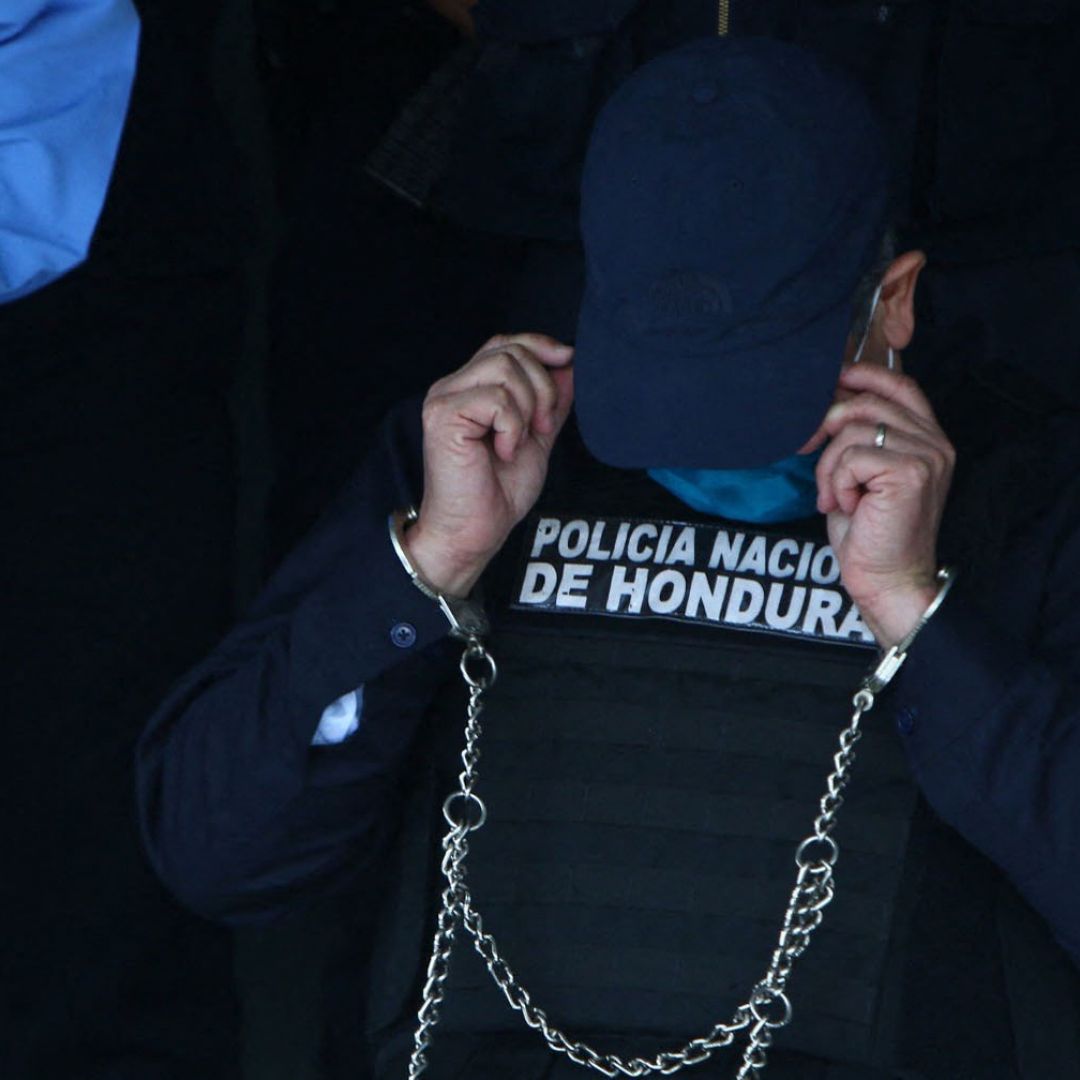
723, 18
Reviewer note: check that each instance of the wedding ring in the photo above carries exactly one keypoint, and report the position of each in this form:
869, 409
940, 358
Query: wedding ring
879, 438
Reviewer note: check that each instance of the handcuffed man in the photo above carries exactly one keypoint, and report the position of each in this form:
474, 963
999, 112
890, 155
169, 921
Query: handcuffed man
688, 827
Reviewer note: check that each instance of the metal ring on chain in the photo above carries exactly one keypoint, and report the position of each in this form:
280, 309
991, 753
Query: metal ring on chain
831, 854
480, 681
470, 799
863, 700
764, 997
768, 1007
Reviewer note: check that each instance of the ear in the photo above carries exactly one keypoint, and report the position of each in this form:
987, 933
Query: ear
896, 310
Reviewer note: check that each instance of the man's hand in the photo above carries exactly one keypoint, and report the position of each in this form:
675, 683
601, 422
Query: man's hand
884, 505
488, 432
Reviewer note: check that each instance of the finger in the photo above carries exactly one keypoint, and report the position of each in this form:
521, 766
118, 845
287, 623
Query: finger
863, 436
563, 379
815, 441
548, 350
891, 385
497, 368
868, 408
543, 385
471, 415
860, 436
545, 349
539, 405
863, 471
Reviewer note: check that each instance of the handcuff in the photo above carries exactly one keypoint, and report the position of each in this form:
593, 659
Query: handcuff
893, 658
468, 621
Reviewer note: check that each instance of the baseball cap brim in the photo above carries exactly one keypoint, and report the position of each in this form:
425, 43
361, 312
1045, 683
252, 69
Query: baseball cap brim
717, 409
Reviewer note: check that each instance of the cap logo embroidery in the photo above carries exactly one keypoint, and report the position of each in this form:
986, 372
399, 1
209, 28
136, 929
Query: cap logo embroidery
681, 297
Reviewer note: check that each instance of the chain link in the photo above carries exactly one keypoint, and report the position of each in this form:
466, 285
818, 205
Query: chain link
723, 17
765, 1011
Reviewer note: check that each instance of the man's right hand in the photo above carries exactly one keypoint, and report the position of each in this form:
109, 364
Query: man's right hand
488, 433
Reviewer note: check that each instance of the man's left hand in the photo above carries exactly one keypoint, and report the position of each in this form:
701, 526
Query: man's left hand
884, 504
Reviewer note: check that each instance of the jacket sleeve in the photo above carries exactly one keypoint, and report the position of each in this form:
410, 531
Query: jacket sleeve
241, 816
988, 705
66, 71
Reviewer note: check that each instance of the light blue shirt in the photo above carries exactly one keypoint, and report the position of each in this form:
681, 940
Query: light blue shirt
339, 720
66, 69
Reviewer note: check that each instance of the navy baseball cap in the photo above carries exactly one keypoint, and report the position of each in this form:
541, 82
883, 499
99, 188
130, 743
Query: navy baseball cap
735, 191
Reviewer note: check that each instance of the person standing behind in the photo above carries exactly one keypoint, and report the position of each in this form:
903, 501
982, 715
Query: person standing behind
115, 469
66, 72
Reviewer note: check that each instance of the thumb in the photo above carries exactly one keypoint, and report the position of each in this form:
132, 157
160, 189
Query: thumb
548, 350
564, 386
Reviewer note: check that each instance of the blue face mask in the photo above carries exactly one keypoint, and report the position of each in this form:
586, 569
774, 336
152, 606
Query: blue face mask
783, 491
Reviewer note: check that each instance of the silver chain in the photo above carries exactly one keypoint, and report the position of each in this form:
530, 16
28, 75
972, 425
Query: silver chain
768, 1007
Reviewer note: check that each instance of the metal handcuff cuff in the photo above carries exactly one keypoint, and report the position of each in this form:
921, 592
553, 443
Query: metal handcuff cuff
768, 1007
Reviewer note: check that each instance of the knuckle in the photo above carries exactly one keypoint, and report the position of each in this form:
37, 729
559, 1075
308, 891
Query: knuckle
545, 386
433, 408
908, 385
838, 445
502, 365
438, 387
939, 462
919, 471
844, 458
524, 361
854, 409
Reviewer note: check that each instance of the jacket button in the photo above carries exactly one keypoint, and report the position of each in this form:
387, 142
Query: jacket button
403, 635
905, 719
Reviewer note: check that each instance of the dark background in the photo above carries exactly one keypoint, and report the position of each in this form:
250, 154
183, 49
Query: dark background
175, 413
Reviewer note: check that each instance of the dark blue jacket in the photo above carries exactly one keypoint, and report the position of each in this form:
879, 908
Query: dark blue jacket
243, 817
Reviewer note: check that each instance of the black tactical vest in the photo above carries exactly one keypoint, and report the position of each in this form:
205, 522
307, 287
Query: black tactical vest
649, 773
647, 780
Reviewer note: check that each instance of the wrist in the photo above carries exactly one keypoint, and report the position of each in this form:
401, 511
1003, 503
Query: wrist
443, 569
467, 619
893, 612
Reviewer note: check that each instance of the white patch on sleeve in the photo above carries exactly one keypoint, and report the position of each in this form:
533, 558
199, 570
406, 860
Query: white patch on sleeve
340, 720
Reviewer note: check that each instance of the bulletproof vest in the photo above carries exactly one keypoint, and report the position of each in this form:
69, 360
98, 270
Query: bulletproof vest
670, 694
649, 853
